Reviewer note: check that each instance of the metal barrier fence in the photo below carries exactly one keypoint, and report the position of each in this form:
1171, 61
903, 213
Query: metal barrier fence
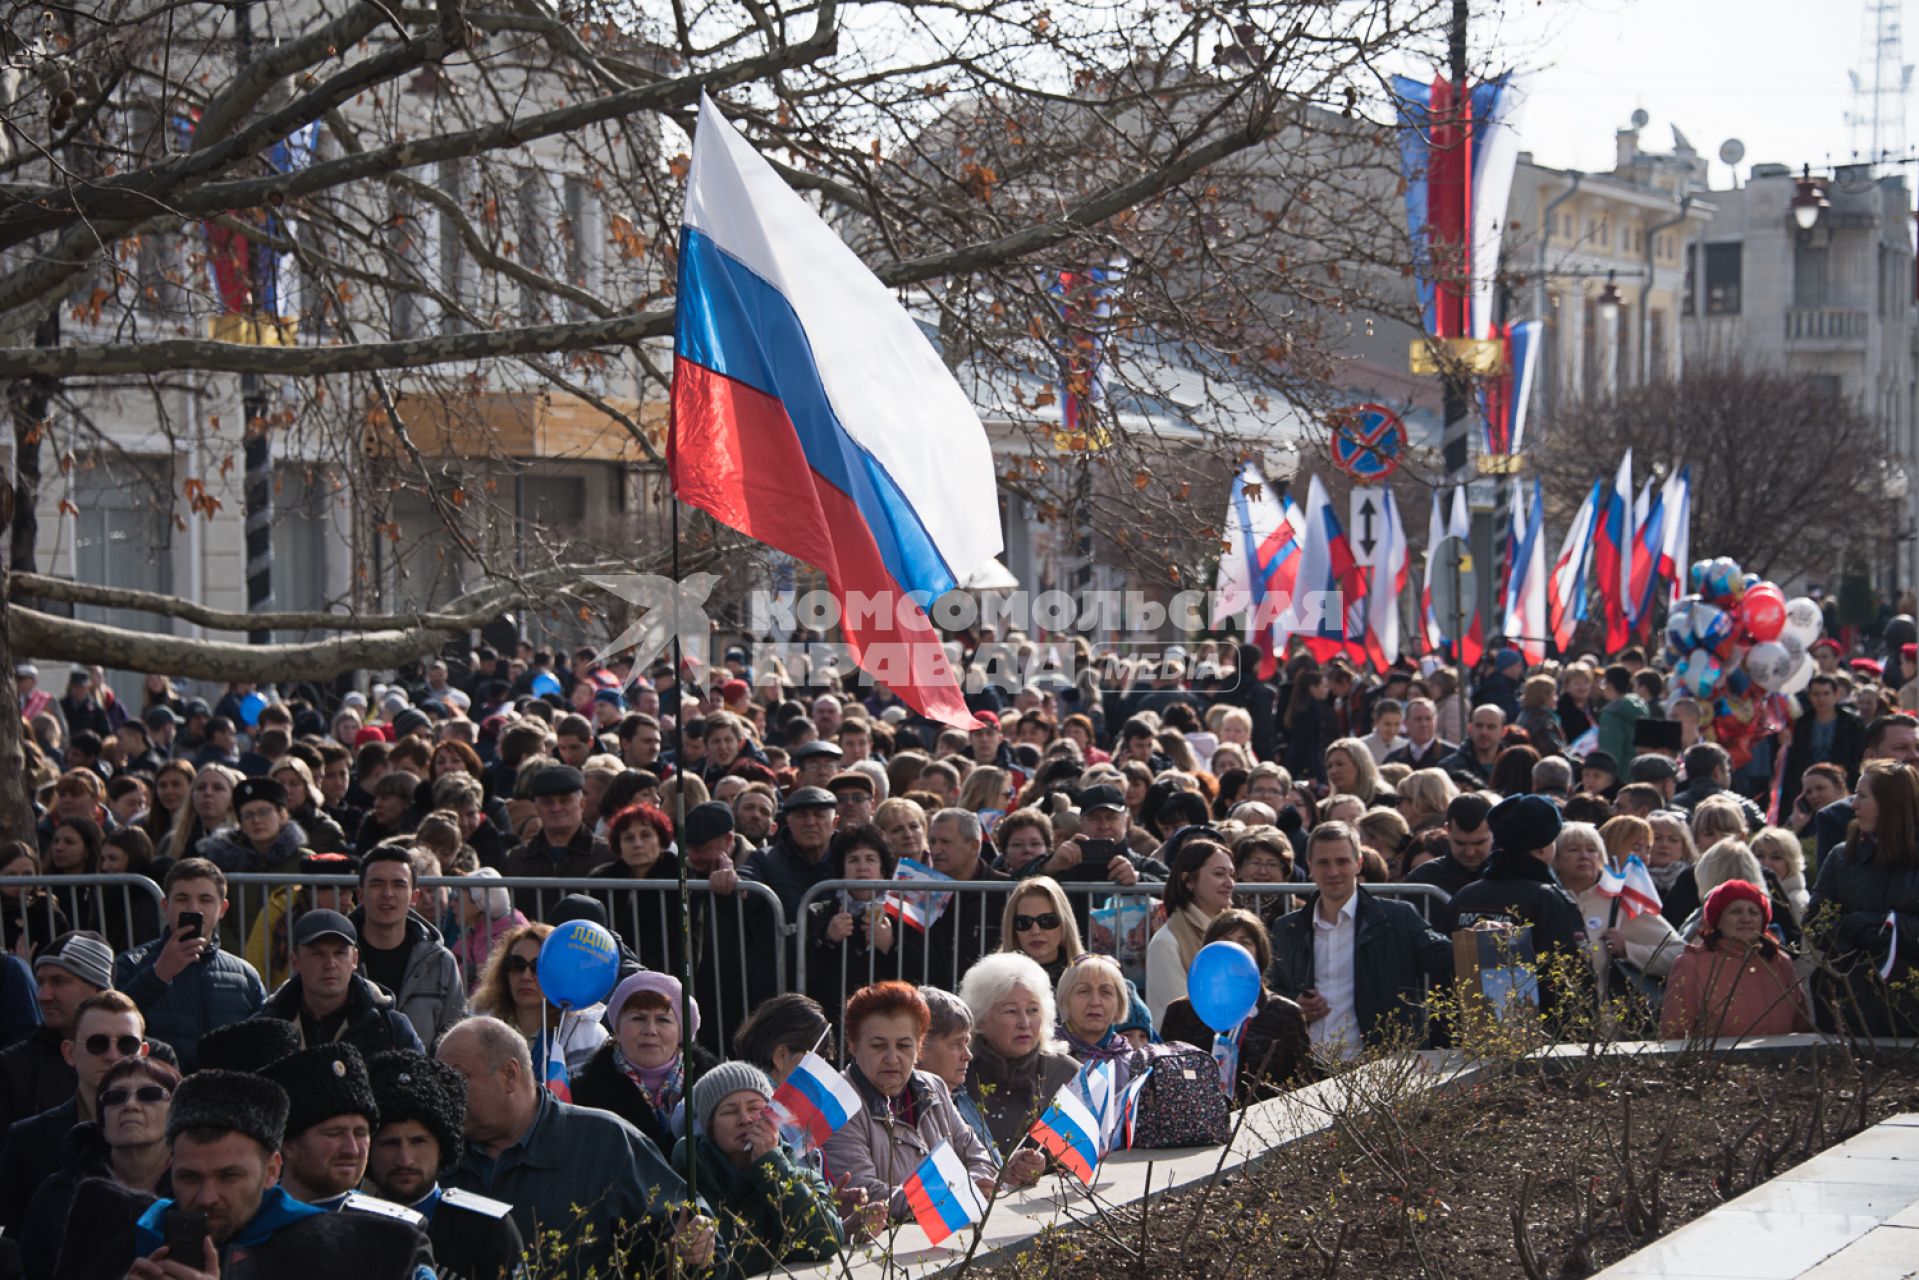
125, 909
740, 951
921, 958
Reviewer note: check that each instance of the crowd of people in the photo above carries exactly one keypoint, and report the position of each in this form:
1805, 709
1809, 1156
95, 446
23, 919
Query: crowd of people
354, 1064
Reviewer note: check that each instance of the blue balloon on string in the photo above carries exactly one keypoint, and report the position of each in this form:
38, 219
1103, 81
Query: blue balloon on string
251, 706
1223, 985
545, 684
579, 963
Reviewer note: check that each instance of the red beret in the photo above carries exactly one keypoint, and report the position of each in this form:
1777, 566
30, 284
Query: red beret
735, 689
1735, 891
371, 733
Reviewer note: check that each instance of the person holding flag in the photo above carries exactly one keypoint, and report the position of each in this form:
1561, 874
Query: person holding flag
905, 1114
773, 1212
1620, 929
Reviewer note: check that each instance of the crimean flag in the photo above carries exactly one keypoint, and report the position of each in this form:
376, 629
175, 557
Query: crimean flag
812, 413
1633, 885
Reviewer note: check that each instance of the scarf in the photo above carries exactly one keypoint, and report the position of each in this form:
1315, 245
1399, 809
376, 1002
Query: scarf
1189, 929
661, 1085
1667, 876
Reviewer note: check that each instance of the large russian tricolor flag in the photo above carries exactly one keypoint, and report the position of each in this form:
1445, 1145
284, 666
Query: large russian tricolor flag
811, 413
1612, 556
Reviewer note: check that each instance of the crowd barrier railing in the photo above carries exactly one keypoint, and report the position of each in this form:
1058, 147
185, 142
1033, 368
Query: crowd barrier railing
262, 911
918, 956
126, 909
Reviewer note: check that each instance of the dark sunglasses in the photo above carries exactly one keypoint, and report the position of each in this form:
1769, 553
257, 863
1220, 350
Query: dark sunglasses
97, 1045
1044, 920
145, 1093
522, 964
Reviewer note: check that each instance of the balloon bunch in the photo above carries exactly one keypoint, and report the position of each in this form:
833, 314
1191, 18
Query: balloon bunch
1739, 644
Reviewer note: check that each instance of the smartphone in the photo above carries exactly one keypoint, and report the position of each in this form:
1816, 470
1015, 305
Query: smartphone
185, 1233
1100, 852
191, 923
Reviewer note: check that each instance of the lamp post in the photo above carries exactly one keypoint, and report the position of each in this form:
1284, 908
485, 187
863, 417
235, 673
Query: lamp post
1808, 199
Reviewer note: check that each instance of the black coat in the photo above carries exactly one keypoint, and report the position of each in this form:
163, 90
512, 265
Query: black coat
34, 1077
835, 970
604, 1087
472, 1244
1519, 889
373, 1023
1393, 950
83, 1154
1848, 749
31, 1156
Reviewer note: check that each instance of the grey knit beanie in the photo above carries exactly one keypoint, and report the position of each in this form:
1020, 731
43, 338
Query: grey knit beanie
728, 1078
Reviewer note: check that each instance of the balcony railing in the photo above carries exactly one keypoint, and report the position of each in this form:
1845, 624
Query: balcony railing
1825, 324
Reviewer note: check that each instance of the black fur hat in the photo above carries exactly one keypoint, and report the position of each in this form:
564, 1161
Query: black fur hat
232, 1101
248, 1045
325, 1081
412, 1086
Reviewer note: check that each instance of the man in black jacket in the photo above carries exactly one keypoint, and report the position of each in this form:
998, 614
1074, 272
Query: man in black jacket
327, 1000
1828, 733
1354, 962
796, 859
1469, 843
968, 927
422, 1106
35, 1074
1708, 771
1518, 889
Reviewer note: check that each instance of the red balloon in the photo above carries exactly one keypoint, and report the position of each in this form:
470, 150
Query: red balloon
1763, 612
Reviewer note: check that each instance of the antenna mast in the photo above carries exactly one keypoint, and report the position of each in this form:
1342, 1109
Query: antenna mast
1880, 85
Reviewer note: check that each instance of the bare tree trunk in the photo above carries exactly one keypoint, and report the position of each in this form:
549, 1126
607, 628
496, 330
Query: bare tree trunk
29, 400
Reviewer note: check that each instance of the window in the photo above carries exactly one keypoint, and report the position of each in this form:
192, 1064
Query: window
122, 538
1825, 385
1809, 276
1724, 265
1692, 269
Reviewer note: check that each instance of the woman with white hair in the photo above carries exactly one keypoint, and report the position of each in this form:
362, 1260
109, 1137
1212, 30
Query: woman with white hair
486, 916
1017, 1065
1645, 941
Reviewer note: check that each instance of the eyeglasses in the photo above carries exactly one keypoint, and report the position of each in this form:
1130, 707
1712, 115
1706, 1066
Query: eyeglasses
145, 1093
523, 964
1044, 920
97, 1045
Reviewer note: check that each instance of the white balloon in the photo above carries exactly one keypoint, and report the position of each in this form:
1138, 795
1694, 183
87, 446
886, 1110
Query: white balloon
1804, 619
1768, 663
1794, 646
1800, 678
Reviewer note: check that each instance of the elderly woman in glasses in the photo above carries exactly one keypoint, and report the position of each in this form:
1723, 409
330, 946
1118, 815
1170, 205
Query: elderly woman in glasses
510, 991
126, 1143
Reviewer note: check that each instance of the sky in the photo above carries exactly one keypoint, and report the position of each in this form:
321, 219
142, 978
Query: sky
1771, 73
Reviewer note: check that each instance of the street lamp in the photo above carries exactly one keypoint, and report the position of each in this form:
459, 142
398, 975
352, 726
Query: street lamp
1808, 200
1609, 300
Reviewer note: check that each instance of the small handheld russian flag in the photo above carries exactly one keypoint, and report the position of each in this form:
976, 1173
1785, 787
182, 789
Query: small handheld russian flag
1070, 1134
815, 1100
942, 1195
1633, 886
556, 1082
919, 910
1129, 1110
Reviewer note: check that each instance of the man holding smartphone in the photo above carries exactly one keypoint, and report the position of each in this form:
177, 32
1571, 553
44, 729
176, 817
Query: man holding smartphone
224, 1130
184, 983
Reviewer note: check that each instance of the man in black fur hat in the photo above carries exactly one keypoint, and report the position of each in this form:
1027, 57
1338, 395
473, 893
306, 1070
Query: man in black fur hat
330, 1121
224, 1130
422, 1107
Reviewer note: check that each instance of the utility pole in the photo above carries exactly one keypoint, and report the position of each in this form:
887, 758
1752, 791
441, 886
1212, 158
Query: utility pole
255, 431
1456, 386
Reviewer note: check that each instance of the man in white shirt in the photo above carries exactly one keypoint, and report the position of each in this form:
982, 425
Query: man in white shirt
1354, 962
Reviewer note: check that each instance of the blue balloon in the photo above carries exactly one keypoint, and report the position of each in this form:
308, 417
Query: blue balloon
251, 706
579, 963
1223, 985
545, 683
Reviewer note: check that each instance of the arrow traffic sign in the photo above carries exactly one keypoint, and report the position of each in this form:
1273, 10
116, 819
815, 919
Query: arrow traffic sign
1366, 511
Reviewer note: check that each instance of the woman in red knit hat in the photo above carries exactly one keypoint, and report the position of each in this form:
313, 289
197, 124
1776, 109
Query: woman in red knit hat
1735, 980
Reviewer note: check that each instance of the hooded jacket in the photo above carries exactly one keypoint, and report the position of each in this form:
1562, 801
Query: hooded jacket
431, 994
1519, 889
217, 989
373, 1022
